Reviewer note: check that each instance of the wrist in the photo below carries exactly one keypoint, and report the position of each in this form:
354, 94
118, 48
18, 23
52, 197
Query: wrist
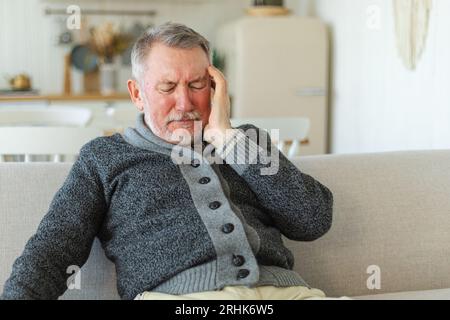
223, 136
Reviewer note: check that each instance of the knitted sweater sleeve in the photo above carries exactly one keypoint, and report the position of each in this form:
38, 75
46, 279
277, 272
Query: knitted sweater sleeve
299, 205
64, 236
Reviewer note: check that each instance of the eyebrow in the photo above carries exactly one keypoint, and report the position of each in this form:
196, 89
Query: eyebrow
200, 78
167, 81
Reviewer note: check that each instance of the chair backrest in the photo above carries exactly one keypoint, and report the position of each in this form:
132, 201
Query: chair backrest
123, 116
62, 116
291, 131
44, 140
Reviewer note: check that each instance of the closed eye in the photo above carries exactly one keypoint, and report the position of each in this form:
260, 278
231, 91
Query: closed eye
166, 88
198, 84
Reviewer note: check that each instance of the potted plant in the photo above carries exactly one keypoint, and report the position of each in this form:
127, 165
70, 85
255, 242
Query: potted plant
268, 3
267, 8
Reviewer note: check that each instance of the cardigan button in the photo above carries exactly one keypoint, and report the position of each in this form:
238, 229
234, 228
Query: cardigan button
243, 273
228, 228
238, 260
204, 180
195, 163
214, 205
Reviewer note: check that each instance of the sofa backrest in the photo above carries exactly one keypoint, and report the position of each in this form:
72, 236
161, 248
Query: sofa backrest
391, 219
26, 190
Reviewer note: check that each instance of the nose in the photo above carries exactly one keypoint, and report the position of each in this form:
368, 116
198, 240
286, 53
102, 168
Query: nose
183, 100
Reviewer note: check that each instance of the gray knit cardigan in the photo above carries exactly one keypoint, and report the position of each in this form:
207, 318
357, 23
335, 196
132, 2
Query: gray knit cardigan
173, 227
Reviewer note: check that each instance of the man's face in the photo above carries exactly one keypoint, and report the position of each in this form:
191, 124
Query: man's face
176, 90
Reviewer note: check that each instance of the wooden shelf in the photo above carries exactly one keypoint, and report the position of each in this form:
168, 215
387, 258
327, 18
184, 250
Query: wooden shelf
84, 97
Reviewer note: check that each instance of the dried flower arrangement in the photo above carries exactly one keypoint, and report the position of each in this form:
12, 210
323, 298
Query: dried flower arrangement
107, 42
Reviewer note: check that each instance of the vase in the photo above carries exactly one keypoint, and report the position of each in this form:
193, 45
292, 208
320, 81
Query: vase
108, 78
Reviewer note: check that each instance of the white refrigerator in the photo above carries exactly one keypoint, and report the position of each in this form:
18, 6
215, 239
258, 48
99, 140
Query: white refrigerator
279, 67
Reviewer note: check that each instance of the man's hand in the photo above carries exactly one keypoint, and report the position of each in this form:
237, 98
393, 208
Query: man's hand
219, 118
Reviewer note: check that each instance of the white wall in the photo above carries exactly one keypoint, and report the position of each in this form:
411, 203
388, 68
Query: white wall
27, 36
377, 104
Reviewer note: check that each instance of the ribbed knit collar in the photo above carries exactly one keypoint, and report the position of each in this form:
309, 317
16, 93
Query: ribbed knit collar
142, 136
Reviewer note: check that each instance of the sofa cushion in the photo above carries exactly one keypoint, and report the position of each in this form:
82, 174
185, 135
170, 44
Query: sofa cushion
390, 210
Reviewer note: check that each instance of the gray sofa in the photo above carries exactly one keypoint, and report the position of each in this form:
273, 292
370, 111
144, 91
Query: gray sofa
390, 237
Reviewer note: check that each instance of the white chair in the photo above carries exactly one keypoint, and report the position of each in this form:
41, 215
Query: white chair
122, 116
29, 116
114, 117
55, 141
96, 108
291, 131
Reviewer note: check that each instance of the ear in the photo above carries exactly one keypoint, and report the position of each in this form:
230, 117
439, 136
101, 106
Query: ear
135, 94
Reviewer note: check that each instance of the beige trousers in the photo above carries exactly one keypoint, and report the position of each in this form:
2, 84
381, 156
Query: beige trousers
244, 293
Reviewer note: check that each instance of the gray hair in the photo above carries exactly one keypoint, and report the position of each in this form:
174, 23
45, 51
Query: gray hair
175, 35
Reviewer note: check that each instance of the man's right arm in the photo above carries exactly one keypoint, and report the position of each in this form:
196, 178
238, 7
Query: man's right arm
64, 236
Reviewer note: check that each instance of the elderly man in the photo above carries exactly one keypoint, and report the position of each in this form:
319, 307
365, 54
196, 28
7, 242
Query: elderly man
201, 229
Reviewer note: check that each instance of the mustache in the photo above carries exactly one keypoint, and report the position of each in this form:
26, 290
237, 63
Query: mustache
191, 115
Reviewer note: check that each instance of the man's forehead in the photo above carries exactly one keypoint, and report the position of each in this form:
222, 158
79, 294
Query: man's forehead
165, 63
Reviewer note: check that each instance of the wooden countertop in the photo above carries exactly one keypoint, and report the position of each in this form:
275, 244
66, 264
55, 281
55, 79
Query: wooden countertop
55, 97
